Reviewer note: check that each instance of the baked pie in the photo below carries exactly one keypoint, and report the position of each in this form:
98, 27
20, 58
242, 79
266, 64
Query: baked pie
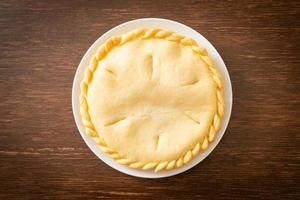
151, 99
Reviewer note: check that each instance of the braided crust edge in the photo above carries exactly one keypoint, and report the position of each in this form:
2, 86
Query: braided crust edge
147, 34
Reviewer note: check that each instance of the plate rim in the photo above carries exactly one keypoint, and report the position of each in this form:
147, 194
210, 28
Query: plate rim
141, 173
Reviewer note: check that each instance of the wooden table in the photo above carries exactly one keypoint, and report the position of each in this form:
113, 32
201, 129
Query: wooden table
42, 155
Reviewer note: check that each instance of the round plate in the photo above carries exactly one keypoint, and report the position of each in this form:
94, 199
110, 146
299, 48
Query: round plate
167, 25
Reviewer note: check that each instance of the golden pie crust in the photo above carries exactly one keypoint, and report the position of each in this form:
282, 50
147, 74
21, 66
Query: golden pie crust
151, 99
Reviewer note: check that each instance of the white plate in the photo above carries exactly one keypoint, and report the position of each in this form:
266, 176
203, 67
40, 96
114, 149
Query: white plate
168, 25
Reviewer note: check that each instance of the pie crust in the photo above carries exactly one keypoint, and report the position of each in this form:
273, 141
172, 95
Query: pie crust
151, 99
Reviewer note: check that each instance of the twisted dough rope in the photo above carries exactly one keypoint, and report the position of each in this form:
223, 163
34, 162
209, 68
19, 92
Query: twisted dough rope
147, 34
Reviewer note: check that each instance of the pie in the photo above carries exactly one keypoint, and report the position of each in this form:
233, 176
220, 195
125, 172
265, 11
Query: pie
151, 99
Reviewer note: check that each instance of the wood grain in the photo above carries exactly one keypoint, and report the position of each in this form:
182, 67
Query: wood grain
42, 155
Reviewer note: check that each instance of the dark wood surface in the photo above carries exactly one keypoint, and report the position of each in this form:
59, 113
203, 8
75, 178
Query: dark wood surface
42, 155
